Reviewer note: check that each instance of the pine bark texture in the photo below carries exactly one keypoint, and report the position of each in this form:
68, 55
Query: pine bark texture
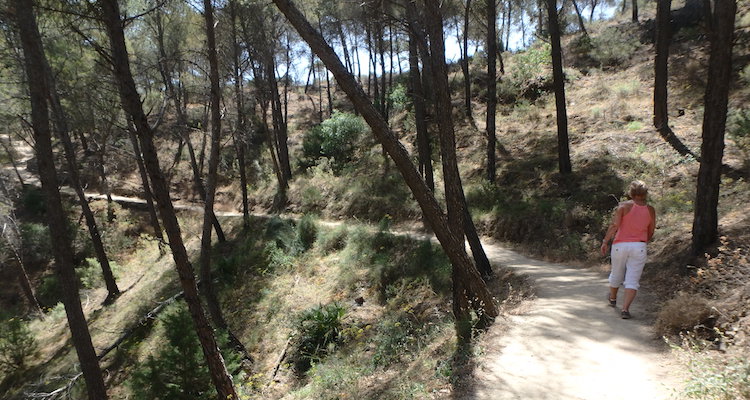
563, 147
454, 249
110, 15
706, 220
34, 61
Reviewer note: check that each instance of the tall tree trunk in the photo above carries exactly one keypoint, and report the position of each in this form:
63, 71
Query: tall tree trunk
468, 278
465, 62
563, 149
147, 194
661, 74
34, 61
182, 123
458, 215
420, 115
706, 220
239, 134
580, 18
491, 88
279, 125
110, 14
509, 25
61, 122
635, 11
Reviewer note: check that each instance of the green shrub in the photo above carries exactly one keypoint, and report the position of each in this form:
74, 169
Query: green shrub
739, 130
37, 243
317, 332
178, 370
90, 273
711, 377
530, 73
332, 240
612, 48
398, 97
307, 232
16, 345
49, 291
32, 201
334, 139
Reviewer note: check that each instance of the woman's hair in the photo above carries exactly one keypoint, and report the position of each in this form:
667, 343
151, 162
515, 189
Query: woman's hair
637, 189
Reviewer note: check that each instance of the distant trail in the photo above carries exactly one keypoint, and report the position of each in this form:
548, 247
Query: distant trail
569, 345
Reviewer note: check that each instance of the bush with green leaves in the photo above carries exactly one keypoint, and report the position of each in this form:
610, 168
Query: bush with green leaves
612, 47
17, 344
334, 139
307, 232
37, 244
178, 370
317, 332
398, 97
530, 73
90, 273
739, 131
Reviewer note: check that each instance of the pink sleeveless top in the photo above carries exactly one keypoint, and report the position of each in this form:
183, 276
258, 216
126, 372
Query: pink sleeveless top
634, 225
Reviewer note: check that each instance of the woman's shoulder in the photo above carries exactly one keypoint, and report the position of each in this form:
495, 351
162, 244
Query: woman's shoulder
625, 204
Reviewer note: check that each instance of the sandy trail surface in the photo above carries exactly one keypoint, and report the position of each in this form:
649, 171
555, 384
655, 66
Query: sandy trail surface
569, 343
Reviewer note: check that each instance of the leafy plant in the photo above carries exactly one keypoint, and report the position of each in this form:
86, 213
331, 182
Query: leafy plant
318, 330
711, 377
178, 369
37, 244
611, 47
90, 273
307, 232
739, 130
333, 139
398, 97
16, 345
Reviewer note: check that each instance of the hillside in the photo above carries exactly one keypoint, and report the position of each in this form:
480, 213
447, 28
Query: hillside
360, 307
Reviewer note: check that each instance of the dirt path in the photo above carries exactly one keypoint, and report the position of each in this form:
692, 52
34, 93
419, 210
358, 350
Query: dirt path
570, 344
567, 345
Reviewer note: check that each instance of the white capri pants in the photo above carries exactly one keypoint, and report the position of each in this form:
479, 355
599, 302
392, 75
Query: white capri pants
628, 259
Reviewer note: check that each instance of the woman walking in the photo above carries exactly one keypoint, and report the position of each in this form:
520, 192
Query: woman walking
632, 227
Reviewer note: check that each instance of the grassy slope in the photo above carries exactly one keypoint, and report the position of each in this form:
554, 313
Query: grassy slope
612, 143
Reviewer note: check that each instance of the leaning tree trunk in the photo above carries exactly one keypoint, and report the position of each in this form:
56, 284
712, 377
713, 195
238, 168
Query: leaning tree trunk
468, 276
491, 89
147, 194
458, 215
34, 61
110, 14
706, 220
580, 18
563, 148
61, 123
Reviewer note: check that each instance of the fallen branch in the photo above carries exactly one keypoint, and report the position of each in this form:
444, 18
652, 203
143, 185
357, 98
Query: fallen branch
281, 358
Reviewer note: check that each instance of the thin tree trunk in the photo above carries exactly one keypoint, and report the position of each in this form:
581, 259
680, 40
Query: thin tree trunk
147, 194
172, 93
420, 116
580, 18
23, 278
239, 134
466, 274
280, 132
706, 219
491, 88
60, 120
465, 62
661, 72
9, 150
34, 61
635, 11
132, 103
563, 149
